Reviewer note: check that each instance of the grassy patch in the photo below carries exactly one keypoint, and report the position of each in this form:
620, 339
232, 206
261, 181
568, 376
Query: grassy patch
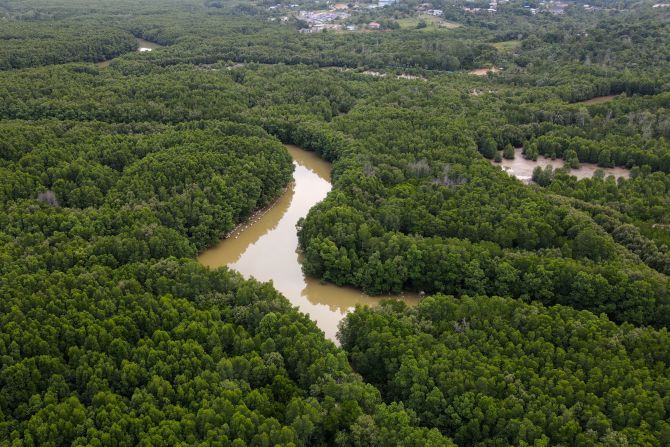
507, 45
433, 23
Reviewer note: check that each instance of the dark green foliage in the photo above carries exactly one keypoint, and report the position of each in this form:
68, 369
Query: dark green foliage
112, 177
508, 152
168, 352
543, 176
571, 159
530, 153
494, 371
463, 228
108, 337
26, 44
200, 180
633, 210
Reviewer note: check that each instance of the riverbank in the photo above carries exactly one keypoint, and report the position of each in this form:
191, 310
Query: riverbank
259, 213
266, 248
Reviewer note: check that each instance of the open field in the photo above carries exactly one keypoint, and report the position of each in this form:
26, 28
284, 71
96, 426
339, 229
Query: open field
433, 23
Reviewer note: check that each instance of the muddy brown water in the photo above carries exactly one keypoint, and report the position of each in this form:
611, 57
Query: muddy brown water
267, 249
145, 45
523, 169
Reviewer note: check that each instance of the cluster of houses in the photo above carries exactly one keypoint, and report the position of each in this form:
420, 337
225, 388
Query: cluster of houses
532, 10
427, 8
318, 21
337, 27
321, 17
554, 7
551, 6
493, 7
559, 6
278, 5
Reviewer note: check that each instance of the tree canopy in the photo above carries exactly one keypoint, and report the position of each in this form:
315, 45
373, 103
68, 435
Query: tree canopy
551, 299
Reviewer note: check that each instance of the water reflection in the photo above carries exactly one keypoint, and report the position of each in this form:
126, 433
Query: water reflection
266, 249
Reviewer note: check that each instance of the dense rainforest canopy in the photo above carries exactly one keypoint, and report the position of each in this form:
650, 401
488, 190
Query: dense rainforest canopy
551, 300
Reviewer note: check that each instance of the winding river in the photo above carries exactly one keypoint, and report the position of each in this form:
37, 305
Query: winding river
266, 249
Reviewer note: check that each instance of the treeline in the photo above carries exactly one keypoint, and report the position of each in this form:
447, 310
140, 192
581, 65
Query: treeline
605, 153
634, 211
420, 188
108, 338
130, 92
495, 371
396, 49
199, 180
433, 220
31, 44
640, 34
110, 177
167, 352
626, 131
